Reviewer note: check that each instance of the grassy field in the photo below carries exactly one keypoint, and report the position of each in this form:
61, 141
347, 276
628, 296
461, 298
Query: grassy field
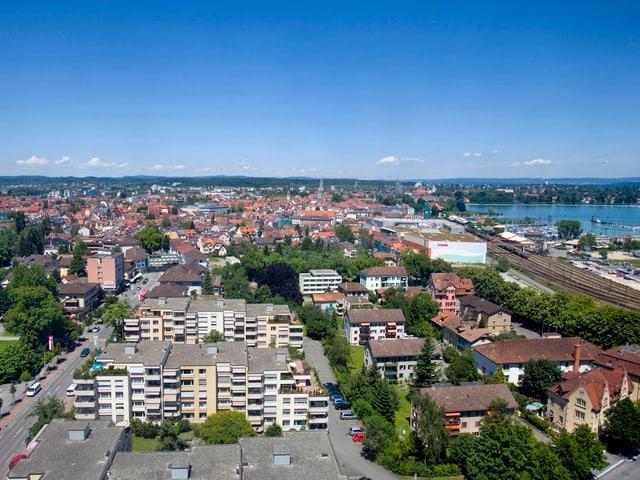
5, 343
404, 412
140, 444
356, 358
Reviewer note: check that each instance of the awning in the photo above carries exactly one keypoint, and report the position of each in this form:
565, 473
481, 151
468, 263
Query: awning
452, 414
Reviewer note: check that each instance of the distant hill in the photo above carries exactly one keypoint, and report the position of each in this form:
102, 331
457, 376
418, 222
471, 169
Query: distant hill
41, 180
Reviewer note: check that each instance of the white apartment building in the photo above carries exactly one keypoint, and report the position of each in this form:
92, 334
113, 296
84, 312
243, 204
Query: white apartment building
360, 326
156, 380
184, 320
375, 278
319, 281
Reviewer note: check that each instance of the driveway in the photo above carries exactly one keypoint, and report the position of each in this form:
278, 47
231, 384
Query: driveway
346, 450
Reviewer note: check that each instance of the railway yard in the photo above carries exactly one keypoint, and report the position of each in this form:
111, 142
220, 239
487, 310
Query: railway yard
562, 274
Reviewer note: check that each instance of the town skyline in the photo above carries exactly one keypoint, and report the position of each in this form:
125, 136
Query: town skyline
387, 92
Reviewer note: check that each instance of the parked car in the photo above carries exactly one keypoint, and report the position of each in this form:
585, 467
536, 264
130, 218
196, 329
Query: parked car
16, 459
348, 415
341, 405
358, 437
354, 430
145, 281
85, 352
95, 329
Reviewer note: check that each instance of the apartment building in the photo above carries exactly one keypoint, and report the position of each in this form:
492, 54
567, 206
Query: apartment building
375, 278
360, 326
155, 380
395, 359
106, 268
465, 405
184, 320
128, 383
319, 281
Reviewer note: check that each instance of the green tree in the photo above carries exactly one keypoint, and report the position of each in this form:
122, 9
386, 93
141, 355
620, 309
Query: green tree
539, 375
225, 427
45, 412
150, 238
580, 452
273, 430
77, 265
214, 336
170, 440
345, 233
207, 284
430, 434
463, 369
426, 371
380, 433
622, 427
569, 229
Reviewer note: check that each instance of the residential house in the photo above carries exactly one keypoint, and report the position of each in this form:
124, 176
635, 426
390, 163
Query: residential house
485, 313
463, 335
584, 398
446, 288
568, 353
360, 326
189, 275
381, 278
328, 302
353, 289
396, 358
627, 356
465, 405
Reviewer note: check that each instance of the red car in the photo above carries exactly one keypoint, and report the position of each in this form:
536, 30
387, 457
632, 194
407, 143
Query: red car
16, 459
358, 437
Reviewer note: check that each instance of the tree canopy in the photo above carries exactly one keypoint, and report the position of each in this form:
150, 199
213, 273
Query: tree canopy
225, 427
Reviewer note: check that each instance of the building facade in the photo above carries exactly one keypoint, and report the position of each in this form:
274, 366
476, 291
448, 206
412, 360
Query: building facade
375, 278
319, 281
360, 326
106, 269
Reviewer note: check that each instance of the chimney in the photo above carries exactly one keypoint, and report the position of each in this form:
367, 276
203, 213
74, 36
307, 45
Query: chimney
576, 358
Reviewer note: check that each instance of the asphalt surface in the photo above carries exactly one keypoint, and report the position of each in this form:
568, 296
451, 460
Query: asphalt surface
15, 421
346, 450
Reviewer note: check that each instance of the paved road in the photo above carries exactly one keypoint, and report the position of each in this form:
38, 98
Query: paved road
347, 451
16, 421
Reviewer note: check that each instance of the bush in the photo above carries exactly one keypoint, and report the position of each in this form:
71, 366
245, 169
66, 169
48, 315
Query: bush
144, 429
536, 421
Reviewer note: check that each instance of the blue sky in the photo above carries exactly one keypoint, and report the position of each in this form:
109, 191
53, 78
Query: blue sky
370, 90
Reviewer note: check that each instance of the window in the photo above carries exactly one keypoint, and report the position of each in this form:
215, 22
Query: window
202, 371
580, 402
580, 415
286, 401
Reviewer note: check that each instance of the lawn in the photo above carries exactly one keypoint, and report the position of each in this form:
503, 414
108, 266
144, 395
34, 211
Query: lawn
5, 343
403, 414
356, 358
140, 444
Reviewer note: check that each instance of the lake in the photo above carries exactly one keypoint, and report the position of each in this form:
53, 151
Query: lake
612, 217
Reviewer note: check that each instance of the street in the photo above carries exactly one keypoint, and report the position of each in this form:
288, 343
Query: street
15, 422
346, 450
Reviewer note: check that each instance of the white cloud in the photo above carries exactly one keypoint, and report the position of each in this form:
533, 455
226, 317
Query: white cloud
388, 161
391, 160
95, 162
159, 166
472, 154
178, 167
32, 161
493, 152
64, 160
302, 171
245, 166
537, 161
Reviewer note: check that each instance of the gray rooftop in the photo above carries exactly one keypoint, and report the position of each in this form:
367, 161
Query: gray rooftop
255, 309
295, 455
182, 355
272, 359
56, 456
210, 462
177, 304
211, 303
146, 353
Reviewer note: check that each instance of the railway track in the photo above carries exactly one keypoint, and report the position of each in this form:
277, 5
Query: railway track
573, 279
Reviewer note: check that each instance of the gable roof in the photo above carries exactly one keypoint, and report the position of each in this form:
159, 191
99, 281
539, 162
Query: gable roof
594, 383
396, 347
384, 271
481, 305
441, 281
463, 398
381, 315
620, 356
558, 349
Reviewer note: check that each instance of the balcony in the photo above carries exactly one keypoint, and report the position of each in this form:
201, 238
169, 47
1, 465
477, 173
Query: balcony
89, 415
85, 403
